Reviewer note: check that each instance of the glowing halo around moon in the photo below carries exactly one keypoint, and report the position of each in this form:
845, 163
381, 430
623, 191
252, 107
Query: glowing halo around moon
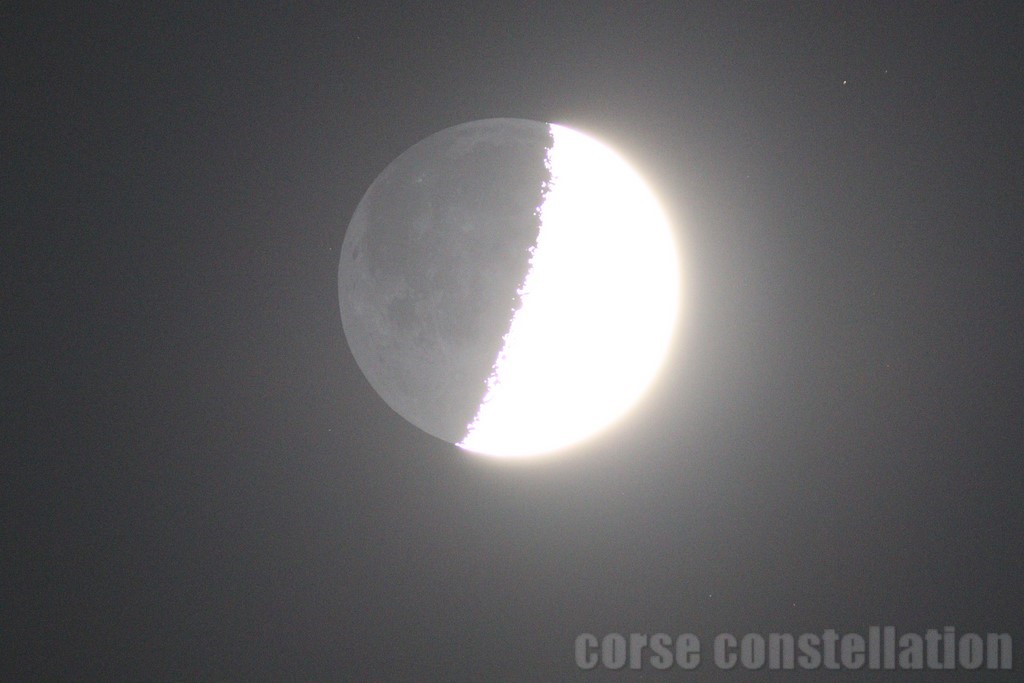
585, 332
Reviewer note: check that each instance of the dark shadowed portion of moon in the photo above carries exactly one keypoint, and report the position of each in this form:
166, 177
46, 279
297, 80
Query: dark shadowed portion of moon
431, 264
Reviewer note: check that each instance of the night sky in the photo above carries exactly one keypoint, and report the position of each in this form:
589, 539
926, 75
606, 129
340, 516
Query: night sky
199, 484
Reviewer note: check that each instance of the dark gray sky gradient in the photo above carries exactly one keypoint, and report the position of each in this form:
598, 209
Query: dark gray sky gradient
198, 482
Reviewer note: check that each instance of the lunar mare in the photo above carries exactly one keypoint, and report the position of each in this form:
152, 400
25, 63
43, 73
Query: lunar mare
598, 307
431, 262
509, 286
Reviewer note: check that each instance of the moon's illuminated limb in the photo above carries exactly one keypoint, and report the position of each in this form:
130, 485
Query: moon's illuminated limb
598, 307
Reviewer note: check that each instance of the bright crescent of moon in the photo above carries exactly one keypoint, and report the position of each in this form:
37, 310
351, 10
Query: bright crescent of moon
597, 308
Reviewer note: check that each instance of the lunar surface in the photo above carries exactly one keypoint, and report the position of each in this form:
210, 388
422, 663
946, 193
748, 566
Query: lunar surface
509, 286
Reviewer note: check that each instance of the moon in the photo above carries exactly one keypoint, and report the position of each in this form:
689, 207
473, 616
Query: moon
510, 286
